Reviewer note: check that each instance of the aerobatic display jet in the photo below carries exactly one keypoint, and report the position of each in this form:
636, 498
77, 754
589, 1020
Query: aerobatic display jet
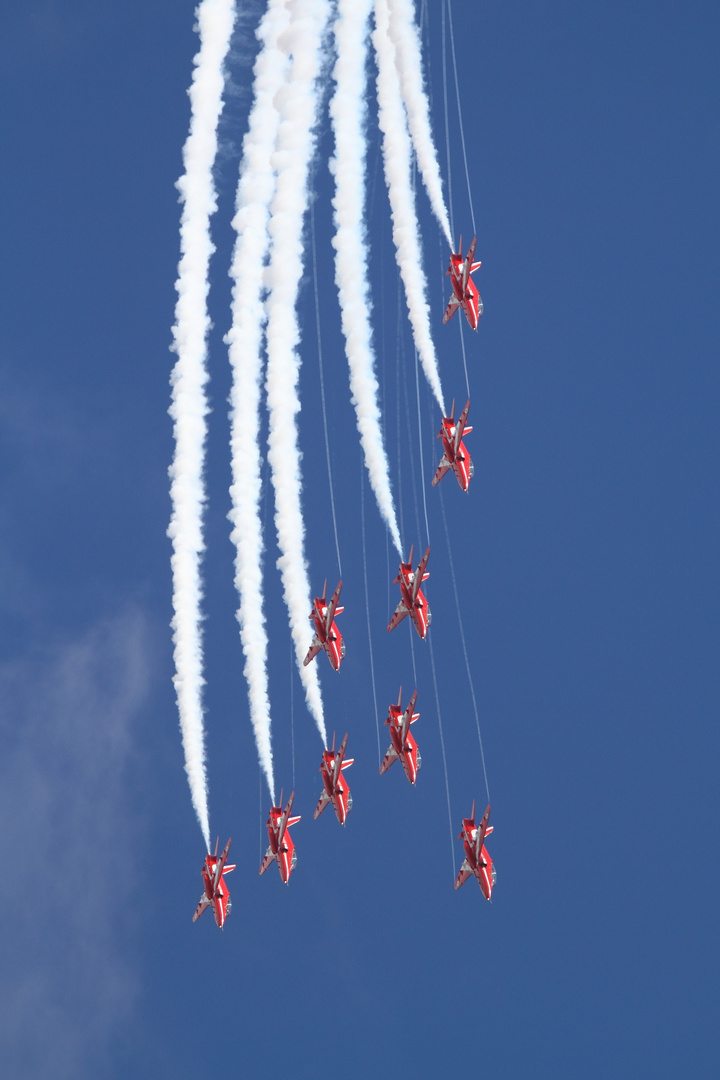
412, 602
465, 294
327, 635
281, 845
215, 891
335, 786
403, 745
455, 455
477, 861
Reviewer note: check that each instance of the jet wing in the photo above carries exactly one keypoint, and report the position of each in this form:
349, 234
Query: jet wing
464, 874
331, 609
388, 759
284, 820
337, 764
451, 308
204, 902
269, 858
313, 650
322, 803
441, 470
420, 575
460, 428
468, 264
407, 718
220, 865
481, 832
400, 612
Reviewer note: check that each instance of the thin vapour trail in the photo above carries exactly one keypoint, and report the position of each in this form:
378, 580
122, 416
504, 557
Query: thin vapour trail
215, 19
256, 187
298, 107
406, 38
348, 114
396, 161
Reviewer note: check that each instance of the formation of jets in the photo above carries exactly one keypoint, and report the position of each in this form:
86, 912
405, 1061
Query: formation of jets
327, 637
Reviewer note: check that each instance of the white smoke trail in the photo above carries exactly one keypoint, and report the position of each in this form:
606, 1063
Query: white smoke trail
215, 20
348, 114
405, 36
396, 162
298, 100
255, 190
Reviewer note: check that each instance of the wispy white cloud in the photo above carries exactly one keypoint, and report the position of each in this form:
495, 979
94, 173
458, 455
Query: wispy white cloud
68, 719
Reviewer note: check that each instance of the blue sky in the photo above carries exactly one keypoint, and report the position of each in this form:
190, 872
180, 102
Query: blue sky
586, 553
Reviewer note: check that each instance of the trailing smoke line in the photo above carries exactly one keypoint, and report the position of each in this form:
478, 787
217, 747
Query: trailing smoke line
298, 104
215, 20
255, 191
405, 37
396, 161
348, 115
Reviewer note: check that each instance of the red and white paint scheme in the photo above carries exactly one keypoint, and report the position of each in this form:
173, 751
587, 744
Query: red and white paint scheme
327, 635
335, 786
403, 745
465, 294
281, 845
215, 891
477, 861
455, 455
412, 602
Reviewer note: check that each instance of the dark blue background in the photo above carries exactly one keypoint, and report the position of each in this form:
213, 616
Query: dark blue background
585, 553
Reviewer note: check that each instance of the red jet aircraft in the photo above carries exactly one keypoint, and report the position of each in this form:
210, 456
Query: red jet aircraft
477, 861
336, 790
465, 294
403, 745
327, 635
281, 846
413, 602
455, 455
215, 891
